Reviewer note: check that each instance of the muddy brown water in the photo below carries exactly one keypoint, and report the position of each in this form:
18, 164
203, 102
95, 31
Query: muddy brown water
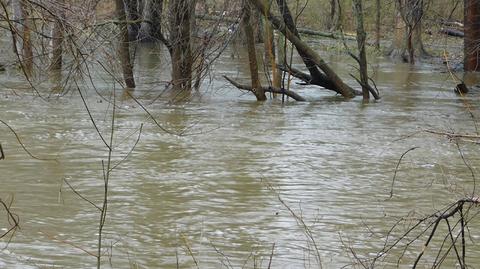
211, 196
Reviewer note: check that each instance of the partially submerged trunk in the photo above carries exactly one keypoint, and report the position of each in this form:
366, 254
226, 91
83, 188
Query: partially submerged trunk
252, 56
362, 57
472, 35
180, 44
124, 46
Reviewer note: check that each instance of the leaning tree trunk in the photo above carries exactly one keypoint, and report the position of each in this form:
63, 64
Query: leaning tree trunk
328, 79
252, 56
180, 44
124, 46
472, 35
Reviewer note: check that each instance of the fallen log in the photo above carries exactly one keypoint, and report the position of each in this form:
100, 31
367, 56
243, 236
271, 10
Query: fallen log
452, 32
288, 93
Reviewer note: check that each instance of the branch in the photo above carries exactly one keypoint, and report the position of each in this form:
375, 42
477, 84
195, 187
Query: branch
288, 93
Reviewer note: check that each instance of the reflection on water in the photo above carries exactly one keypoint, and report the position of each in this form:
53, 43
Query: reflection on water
210, 194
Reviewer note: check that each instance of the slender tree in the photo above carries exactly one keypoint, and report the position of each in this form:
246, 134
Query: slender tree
407, 43
124, 45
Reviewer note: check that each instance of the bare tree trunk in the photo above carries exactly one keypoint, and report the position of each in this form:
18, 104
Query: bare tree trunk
133, 15
362, 58
27, 51
252, 56
270, 55
408, 43
151, 28
57, 43
335, 15
472, 35
124, 46
180, 44
378, 18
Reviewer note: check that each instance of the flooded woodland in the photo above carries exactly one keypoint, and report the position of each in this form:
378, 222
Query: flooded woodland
239, 134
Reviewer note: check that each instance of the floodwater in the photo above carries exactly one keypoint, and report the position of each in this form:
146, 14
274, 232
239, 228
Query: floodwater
236, 177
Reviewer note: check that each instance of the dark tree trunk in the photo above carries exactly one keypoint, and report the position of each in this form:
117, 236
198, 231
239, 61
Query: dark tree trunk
252, 56
124, 46
362, 58
180, 44
151, 27
133, 15
472, 35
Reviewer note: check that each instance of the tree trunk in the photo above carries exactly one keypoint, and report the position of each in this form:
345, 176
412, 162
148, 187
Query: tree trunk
252, 56
408, 44
180, 44
335, 15
27, 52
472, 35
151, 27
362, 58
378, 18
133, 15
124, 46
57, 42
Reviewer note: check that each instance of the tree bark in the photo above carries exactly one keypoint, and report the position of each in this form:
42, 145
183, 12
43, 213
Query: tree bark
180, 44
362, 58
133, 15
252, 56
378, 18
57, 42
472, 35
27, 51
124, 46
151, 26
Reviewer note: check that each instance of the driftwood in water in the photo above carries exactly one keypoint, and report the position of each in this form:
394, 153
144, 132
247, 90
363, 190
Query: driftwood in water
288, 93
452, 32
